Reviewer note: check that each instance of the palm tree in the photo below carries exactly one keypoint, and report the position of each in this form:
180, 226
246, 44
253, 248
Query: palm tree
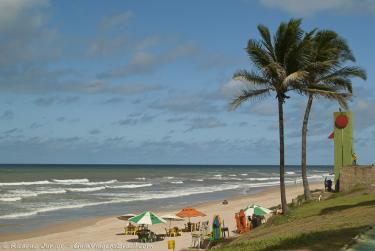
276, 70
328, 77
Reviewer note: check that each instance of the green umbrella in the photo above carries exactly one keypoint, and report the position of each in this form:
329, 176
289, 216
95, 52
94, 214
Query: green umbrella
147, 218
257, 210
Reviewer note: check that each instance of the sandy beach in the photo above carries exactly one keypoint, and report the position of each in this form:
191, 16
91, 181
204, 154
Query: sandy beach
107, 233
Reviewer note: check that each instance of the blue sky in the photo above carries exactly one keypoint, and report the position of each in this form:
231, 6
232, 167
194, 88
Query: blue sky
150, 82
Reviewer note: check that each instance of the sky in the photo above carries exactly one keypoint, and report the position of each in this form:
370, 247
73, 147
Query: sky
150, 82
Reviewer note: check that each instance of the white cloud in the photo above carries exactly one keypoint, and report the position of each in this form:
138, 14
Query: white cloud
26, 40
233, 88
115, 20
309, 7
144, 61
267, 108
11, 11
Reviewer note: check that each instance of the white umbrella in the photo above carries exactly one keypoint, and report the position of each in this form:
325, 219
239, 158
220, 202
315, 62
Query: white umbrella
171, 217
126, 216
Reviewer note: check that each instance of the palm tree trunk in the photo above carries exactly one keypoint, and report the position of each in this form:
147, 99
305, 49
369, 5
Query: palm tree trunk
306, 188
284, 204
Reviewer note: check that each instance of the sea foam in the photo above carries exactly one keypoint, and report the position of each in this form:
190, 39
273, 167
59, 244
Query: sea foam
71, 181
25, 183
86, 189
131, 186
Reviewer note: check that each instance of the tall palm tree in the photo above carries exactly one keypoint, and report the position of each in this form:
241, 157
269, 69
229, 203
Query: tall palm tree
276, 70
328, 77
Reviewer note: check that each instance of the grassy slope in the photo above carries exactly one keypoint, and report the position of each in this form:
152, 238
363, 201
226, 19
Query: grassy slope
325, 225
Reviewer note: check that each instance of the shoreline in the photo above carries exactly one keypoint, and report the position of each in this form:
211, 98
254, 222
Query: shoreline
75, 225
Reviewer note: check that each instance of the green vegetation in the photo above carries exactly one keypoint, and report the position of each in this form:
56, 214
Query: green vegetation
325, 225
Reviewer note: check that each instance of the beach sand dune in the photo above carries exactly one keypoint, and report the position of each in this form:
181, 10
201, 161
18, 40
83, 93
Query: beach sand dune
107, 233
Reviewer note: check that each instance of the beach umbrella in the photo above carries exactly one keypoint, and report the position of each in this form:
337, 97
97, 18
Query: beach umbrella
171, 217
189, 213
126, 216
257, 210
147, 218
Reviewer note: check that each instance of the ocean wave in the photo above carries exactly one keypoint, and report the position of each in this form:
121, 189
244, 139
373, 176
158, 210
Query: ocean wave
125, 197
243, 174
141, 178
25, 183
26, 193
317, 176
168, 177
235, 179
263, 179
141, 197
51, 191
17, 215
71, 181
86, 189
290, 173
22, 193
177, 182
131, 186
91, 183
275, 183
319, 171
199, 180
56, 208
232, 175
8, 199
184, 192
265, 184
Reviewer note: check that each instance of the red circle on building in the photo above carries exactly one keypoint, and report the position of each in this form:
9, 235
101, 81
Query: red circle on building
341, 121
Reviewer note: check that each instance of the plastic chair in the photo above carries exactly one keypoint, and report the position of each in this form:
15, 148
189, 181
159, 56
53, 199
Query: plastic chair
195, 240
135, 230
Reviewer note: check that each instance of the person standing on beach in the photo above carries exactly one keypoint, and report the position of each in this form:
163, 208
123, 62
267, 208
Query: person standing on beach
354, 159
325, 184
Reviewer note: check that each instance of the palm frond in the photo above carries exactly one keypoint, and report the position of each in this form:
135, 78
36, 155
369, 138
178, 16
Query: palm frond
341, 98
287, 36
250, 77
340, 83
258, 55
275, 72
347, 72
248, 94
295, 77
329, 44
266, 40
300, 54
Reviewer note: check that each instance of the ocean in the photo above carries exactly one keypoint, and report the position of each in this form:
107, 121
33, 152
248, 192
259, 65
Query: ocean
32, 196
